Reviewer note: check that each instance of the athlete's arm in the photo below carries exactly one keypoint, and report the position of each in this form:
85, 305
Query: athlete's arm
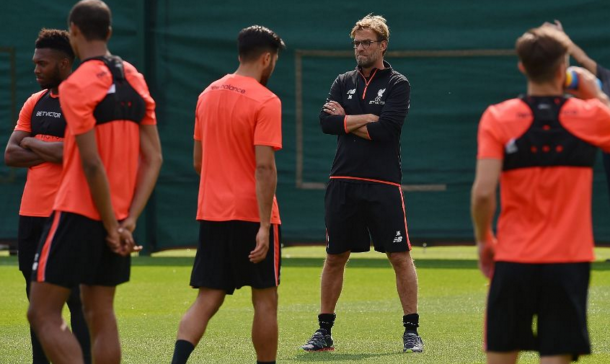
95, 173
587, 87
393, 113
266, 181
582, 58
603, 74
332, 118
354, 124
197, 156
49, 151
17, 156
148, 171
483, 208
362, 132
575, 51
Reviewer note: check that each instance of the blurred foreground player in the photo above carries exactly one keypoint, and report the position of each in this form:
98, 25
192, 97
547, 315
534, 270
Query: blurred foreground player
541, 147
366, 109
112, 158
37, 144
238, 129
602, 74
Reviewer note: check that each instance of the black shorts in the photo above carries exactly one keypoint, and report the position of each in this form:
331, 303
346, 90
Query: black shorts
73, 251
556, 294
355, 212
222, 257
28, 236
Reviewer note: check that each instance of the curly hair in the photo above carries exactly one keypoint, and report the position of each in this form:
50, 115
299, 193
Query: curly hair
55, 39
376, 23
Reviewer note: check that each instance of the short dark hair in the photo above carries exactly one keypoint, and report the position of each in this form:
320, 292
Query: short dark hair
541, 50
255, 40
92, 17
56, 39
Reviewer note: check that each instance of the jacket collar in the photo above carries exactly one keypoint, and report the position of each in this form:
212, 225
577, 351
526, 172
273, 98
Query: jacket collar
386, 65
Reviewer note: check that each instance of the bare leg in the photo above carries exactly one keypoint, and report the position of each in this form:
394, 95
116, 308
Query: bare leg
98, 307
557, 359
332, 281
196, 319
264, 327
406, 280
502, 358
44, 314
79, 324
38, 356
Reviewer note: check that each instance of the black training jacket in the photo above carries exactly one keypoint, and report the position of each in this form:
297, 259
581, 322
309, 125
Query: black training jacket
385, 93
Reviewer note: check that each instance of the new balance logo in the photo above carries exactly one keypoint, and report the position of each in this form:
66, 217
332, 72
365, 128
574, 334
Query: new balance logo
35, 265
397, 238
350, 93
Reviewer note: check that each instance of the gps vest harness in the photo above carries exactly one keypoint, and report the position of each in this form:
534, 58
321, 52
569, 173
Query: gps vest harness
122, 102
47, 118
546, 143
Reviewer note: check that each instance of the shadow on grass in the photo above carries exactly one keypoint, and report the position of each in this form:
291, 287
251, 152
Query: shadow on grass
334, 356
316, 263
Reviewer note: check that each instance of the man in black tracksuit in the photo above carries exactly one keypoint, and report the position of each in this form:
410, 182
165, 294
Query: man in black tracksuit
366, 109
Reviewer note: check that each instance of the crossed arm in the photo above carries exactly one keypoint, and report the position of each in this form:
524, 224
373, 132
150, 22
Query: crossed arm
22, 150
383, 127
354, 124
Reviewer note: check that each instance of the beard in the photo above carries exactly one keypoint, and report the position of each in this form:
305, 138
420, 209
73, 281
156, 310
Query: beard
367, 61
52, 81
266, 75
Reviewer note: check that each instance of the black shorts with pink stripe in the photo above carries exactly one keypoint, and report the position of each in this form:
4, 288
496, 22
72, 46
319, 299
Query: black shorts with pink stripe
73, 251
358, 212
222, 257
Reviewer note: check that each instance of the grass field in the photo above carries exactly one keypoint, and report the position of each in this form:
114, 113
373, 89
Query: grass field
368, 327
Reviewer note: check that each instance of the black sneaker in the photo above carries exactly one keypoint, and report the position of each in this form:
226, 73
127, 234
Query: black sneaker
320, 341
412, 343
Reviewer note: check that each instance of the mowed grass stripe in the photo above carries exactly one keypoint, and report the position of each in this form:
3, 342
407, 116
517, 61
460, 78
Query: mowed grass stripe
368, 328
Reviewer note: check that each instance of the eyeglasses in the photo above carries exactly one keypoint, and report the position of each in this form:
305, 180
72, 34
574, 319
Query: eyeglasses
365, 43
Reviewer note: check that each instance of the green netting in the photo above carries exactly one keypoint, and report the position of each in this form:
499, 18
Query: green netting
183, 46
